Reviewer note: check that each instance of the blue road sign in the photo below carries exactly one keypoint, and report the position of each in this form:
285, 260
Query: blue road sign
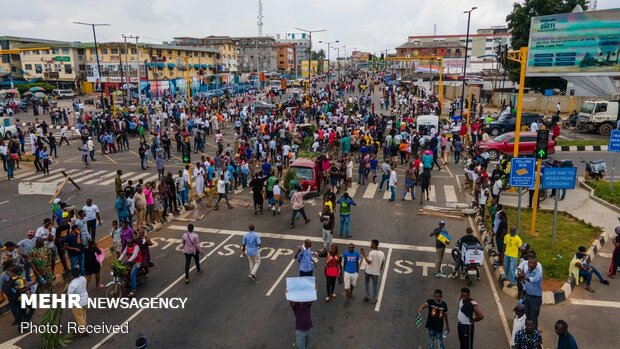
522, 172
559, 177
614, 141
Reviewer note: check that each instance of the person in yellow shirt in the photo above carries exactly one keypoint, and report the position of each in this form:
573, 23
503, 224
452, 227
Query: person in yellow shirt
511, 254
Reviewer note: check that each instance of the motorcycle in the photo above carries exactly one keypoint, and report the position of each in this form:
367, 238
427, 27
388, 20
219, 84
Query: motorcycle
469, 260
595, 170
569, 122
121, 279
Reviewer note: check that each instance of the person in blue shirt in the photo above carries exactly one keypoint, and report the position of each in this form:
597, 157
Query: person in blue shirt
532, 277
427, 160
304, 258
251, 242
44, 156
565, 339
266, 167
351, 266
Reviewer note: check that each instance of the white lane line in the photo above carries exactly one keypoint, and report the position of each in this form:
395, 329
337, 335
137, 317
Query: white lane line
160, 294
152, 178
33, 175
107, 175
353, 189
302, 238
604, 255
273, 287
432, 194
448, 168
4, 202
387, 194
110, 181
458, 182
83, 173
593, 303
450, 193
137, 177
490, 278
383, 279
370, 191
58, 176
96, 174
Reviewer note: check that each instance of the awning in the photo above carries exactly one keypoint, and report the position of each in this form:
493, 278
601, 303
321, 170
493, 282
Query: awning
160, 65
203, 66
196, 66
171, 65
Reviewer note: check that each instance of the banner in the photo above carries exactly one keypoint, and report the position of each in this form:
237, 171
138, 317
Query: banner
575, 44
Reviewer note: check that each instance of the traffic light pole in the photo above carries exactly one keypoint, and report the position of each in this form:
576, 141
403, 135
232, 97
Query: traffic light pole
521, 57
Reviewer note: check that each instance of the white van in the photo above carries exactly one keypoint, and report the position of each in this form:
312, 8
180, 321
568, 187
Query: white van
60, 94
7, 127
427, 125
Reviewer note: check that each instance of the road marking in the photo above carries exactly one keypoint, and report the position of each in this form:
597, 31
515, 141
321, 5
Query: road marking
152, 178
160, 294
370, 191
353, 189
458, 182
493, 289
109, 158
450, 193
110, 181
59, 175
604, 255
302, 238
593, 303
141, 175
4, 202
83, 173
273, 287
431, 194
107, 175
383, 280
96, 174
387, 194
36, 175
448, 168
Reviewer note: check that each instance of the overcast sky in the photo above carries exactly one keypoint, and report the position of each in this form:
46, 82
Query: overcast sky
368, 25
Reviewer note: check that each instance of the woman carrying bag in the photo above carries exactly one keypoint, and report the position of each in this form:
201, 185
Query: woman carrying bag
191, 249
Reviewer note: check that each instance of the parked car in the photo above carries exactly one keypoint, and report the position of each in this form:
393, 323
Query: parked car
507, 122
7, 127
307, 175
260, 105
504, 144
60, 94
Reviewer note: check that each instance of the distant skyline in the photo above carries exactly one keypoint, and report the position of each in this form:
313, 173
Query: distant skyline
363, 24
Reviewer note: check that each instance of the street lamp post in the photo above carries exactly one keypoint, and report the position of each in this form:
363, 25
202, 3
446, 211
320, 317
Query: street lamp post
465, 64
309, 61
328, 51
338, 61
93, 25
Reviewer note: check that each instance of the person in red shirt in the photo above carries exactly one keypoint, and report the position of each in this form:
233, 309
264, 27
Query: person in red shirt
555, 132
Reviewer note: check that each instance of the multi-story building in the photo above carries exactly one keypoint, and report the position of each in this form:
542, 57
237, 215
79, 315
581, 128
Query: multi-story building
301, 42
256, 54
226, 60
446, 49
287, 60
62, 64
10, 64
158, 67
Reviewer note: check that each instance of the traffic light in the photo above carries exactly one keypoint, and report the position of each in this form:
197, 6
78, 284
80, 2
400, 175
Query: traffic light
186, 150
542, 143
369, 59
382, 57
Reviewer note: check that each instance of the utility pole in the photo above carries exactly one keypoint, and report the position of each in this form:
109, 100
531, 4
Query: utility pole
127, 71
465, 64
309, 62
93, 25
137, 64
328, 53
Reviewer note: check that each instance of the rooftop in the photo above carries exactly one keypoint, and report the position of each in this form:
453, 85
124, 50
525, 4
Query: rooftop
433, 44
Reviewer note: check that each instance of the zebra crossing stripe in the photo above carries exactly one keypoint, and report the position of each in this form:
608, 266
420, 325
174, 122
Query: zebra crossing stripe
450, 193
152, 178
370, 191
110, 181
83, 173
387, 194
431, 195
59, 175
137, 177
96, 174
33, 177
107, 175
353, 189
27, 173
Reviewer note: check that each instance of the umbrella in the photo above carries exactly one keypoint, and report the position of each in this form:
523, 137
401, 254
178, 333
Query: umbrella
39, 94
37, 89
27, 94
12, 92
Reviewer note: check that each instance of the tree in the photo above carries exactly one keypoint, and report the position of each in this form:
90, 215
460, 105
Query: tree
519, 21
320, 55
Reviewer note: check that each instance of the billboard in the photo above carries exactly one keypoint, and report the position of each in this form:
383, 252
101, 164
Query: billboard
575, 44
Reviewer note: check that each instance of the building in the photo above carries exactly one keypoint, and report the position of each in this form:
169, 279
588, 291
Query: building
227, 65
11, 70
301, 42
160, 68
446, 49
256, 54
62, 64
287, 58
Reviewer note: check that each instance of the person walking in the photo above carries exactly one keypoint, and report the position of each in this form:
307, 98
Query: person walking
345, 203
250, 245
441, 240
392, 184
191, 249
469, 313
410, 177
512, 243
303, 323
385, 174
118, 182
425, 185
437, 316
304, 258
93, 219
333, 271
327, 220
257, 184
375, 260
77, 286
221, 193
351, 267
297, 203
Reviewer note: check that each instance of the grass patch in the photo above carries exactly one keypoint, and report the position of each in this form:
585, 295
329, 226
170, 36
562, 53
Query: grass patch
581, 142
307, 154
601, 190
570, 234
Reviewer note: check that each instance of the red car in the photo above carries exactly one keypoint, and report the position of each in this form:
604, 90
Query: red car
306, 173
504, 144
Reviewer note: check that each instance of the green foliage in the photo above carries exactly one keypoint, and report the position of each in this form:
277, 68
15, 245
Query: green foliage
519, 21
584, 142
307, 142
601, 190
53, 340
25, 87
290, 175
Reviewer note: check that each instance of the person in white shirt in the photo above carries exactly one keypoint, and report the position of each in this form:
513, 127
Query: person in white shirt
78, 286
519, 322
47, 232
92, 217
221, 193
375, 260
534, 126
277, 197
392, 183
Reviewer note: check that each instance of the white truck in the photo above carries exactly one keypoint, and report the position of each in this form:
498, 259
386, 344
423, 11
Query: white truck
7, 127
599, 116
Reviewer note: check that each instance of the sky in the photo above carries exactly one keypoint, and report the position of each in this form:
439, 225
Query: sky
367, 25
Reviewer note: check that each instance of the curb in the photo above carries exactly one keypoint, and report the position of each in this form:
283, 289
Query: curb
561, 148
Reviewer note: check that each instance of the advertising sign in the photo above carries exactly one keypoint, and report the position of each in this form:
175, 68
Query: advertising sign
62, 59
575, 44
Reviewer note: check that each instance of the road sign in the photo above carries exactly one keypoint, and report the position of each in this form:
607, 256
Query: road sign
614, 141
522, 172
549, 92
542, 143
559, 177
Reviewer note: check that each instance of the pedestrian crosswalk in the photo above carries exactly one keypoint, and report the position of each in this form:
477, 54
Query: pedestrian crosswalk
85, 176
437, 194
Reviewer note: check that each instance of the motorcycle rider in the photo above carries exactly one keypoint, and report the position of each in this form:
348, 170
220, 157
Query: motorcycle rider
469, 238
132, 251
